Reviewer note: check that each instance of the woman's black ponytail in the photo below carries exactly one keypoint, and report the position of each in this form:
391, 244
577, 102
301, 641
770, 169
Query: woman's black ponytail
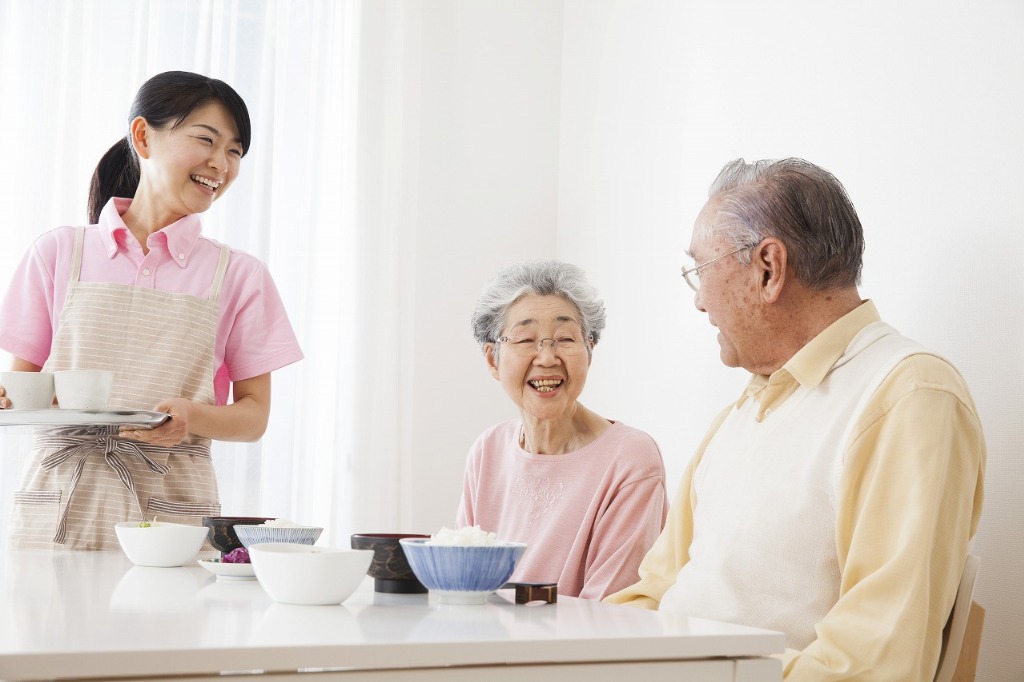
116, 175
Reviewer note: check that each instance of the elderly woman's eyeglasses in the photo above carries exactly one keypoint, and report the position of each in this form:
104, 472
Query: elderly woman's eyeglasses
528, 346
692, 275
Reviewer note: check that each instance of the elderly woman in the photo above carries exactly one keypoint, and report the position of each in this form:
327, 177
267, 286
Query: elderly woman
585, 493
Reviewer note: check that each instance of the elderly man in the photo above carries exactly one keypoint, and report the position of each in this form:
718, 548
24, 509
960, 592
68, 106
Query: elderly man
836, 499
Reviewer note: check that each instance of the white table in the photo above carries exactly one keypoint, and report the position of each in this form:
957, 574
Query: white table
95, 615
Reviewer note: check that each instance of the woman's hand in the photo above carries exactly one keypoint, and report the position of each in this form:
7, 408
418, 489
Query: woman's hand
171, 432
244, 420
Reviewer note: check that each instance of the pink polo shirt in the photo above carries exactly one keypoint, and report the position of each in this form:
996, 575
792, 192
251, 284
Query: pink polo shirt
254, 335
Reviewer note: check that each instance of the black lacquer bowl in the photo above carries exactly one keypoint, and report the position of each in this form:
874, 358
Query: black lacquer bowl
389, 569
222, 530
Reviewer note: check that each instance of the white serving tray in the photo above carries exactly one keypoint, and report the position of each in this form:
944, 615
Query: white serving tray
58, 417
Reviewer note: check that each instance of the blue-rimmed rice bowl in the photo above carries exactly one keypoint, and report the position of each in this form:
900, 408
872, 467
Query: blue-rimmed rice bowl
462, 574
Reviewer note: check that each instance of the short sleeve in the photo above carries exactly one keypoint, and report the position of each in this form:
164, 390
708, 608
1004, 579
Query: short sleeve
260, 337
27, 313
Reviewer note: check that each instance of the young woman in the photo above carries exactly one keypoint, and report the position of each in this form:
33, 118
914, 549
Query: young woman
180, 319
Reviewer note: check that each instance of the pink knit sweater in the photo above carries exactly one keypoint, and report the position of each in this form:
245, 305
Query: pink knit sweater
587, 517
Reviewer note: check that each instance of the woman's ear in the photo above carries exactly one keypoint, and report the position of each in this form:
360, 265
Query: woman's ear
140, 136
772, 259
492, 361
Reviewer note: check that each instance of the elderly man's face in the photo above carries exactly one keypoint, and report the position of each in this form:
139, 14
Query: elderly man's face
728, 293
544, 384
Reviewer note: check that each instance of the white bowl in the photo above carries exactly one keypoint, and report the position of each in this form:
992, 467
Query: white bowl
302, 574
160, 544
462, 574
250, 535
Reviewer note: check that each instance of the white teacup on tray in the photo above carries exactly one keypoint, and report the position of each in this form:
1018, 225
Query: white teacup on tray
28, 390
83, 389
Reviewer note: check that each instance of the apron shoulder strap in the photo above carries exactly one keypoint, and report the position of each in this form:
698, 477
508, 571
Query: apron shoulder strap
76, 255
222, 266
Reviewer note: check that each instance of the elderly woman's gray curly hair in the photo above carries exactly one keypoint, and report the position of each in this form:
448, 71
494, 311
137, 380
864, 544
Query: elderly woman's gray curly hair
539, 278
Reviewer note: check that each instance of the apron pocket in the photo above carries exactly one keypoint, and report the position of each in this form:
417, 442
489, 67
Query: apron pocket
34, 518
190, 513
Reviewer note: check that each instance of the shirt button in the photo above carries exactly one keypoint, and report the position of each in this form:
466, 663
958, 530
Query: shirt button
146, 272
768, 413
181, 256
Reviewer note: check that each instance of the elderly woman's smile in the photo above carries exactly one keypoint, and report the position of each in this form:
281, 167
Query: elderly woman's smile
542, 347
545, 385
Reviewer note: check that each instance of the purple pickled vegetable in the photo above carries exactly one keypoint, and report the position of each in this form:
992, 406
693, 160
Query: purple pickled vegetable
236, 556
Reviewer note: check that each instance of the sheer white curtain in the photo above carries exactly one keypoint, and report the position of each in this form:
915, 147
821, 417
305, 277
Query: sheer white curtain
68, 72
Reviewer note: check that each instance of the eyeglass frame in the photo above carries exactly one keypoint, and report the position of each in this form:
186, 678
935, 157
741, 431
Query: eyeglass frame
539, 345
694, 283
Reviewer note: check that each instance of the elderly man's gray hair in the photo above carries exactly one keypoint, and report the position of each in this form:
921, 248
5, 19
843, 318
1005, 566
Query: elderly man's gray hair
540, 278
802, 205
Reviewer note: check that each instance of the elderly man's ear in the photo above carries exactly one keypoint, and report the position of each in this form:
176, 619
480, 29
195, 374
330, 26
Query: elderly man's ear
771, 258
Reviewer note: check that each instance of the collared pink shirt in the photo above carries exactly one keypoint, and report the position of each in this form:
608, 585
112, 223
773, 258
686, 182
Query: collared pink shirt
254, 335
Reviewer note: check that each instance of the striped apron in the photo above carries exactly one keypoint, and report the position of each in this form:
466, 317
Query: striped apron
83, 480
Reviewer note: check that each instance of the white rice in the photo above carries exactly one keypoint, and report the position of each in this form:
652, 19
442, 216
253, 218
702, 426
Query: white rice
472, 536
280, 523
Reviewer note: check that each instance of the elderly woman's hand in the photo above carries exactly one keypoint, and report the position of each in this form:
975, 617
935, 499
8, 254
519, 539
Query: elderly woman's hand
171, 432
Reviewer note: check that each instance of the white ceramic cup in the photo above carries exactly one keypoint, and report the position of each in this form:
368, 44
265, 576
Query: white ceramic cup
83, 389
28, 390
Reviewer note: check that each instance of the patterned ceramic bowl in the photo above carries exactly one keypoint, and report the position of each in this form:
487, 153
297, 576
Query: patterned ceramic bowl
297, 535
462, 574
389, 569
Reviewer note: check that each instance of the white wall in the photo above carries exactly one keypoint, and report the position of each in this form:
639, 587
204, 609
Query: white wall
590, 129
486, 97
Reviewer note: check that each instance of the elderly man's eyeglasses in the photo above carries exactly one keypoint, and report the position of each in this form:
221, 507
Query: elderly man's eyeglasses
528, 346
692, 275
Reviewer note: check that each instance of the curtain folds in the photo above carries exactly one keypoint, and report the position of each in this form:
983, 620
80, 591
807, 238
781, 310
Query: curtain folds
309, 202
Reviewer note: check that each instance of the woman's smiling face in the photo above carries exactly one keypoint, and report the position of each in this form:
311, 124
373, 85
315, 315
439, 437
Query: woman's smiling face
544, 384
191, 165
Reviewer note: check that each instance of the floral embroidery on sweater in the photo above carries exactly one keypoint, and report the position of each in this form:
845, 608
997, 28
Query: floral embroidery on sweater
539, 493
